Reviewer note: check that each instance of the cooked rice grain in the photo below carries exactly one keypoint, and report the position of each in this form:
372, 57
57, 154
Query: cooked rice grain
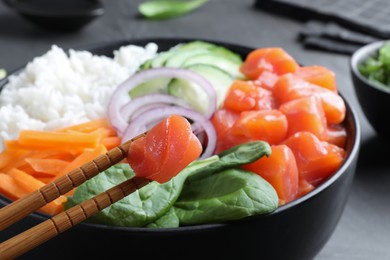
57, 90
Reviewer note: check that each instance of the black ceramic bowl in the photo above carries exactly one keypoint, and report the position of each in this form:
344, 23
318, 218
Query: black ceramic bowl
297, 230
58, 15
374, 99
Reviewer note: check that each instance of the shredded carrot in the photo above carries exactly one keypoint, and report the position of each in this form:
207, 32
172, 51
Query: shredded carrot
50, 166
25, 181
21, 162
39, 157
105, 132
54, 207
42, 176
10, 188
54, 139
7, 156
111, 142
83, 158
15, 145
44, 179
31, 184
27, 169
87, 127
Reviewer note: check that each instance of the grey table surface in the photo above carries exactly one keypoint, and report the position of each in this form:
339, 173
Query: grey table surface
364, 228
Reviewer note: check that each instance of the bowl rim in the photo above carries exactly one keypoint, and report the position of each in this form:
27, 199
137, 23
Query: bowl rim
360, 55
352, 154
94, 9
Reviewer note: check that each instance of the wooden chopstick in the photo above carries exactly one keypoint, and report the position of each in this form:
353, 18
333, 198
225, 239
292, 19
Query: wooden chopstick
48, 229
22, 207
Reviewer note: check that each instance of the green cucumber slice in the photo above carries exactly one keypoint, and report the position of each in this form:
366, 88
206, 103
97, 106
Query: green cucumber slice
178, 59
187, 50
195, 45
152, 86
146, 65
161, 59
227, 54
215, 59
194, 95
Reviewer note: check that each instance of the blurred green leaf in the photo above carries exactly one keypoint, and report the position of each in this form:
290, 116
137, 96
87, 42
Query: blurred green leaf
166, 9
3, 73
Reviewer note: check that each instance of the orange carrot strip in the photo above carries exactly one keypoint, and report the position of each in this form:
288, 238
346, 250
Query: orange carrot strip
7, 156
112, 131
14, 145
31, 184
44, 179
56, 206
25, 181
64, 156
83, 158
87, 127
55, 139
50, 166
105, 131
42, 175
27, 169
9, 187
111, 142
86, 156
20, 162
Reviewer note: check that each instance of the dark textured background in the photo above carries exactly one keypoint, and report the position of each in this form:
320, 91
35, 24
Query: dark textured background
364, 229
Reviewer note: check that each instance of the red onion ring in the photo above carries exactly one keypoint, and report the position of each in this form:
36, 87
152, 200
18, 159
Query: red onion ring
139, 124
147, 102
120, 95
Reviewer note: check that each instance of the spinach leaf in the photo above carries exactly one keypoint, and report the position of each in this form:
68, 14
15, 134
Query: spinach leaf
208, 183
234, 157
168, 220
139, 208
165, 9
229, 195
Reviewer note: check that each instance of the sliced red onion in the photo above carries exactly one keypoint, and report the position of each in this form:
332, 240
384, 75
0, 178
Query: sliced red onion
147, 102
140, 124
120, 96
145, 108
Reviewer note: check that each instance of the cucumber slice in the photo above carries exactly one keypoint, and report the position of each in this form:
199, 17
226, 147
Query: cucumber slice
152, 86
157, 61
195, 45
194, 95
161, 59
146, 65
216, 63
177, 59
215, 59
227, 54
187, 50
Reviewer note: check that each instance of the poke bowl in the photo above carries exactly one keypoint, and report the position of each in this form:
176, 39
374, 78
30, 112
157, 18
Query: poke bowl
297, 227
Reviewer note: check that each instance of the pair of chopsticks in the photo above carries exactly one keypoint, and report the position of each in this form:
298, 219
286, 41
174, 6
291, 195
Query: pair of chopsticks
61, 222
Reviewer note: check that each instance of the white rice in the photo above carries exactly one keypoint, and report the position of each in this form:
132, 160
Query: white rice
57, 90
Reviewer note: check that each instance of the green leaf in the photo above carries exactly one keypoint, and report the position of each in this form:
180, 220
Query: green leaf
165, 9
236, 193
235, 157
139, 208
168, 220
3, 73
229, 195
